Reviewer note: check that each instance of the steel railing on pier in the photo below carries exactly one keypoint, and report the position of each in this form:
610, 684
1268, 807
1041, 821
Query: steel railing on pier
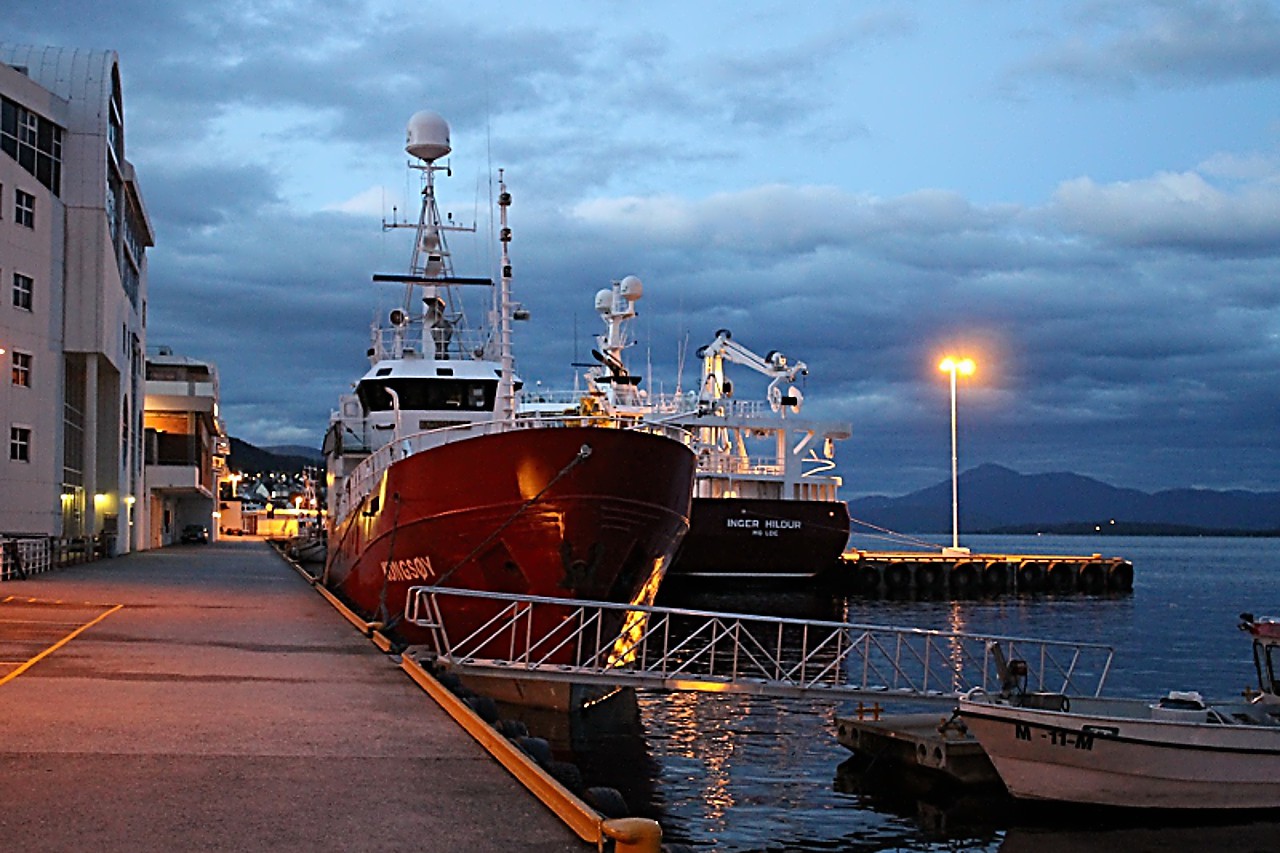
674, 649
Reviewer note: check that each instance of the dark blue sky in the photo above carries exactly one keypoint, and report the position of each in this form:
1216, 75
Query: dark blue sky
1084, 196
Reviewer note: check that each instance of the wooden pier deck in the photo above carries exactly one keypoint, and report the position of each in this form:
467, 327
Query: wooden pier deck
928, 741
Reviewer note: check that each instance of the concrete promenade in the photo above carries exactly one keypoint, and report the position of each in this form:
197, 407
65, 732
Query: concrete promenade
216, 702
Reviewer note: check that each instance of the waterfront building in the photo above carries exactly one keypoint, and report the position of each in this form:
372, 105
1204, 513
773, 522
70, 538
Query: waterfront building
186, 447
74, 233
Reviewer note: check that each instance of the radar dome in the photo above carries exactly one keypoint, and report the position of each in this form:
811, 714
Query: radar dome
427, 137
631, 288
604, 300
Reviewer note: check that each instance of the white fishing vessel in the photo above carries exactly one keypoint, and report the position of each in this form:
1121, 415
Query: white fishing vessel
766, 502
1178, 752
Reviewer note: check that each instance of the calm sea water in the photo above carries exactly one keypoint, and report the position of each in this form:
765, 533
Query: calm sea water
744, 774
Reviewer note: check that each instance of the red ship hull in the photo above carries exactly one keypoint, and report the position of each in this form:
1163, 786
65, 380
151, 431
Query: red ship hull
513, 512
761, 539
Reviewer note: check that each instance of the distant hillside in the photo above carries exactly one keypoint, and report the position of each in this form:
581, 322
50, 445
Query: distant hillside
312, 453
996, 499
246, 458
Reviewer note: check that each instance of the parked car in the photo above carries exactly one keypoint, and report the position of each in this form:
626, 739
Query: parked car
195, 534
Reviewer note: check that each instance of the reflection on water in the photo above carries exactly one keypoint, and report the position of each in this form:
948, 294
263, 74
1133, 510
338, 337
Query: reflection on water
738, 773
1233, 837
939, 806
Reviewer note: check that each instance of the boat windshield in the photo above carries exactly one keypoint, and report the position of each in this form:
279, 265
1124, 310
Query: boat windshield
1266, 657
465, 395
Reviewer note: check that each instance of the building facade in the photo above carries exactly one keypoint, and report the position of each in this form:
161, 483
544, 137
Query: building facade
74, 234
185, 447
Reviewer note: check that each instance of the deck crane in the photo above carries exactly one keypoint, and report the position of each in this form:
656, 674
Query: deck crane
774, 365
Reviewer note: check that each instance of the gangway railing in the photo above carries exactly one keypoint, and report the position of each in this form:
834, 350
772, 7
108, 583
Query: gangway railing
555, 639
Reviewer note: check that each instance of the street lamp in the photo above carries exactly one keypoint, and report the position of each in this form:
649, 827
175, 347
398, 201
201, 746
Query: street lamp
965, 367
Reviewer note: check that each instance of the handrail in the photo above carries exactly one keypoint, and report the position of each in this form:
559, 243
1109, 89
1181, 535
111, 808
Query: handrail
21, 556
673, 648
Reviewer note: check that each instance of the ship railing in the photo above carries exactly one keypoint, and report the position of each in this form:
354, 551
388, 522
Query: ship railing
759, 466
679, 405
365, 476
455, 344
559, 397
614, 644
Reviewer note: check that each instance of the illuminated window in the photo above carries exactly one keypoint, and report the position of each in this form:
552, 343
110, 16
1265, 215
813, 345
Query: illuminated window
22, 369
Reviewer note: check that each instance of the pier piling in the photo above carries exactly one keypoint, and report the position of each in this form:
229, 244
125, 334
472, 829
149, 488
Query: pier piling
898, 574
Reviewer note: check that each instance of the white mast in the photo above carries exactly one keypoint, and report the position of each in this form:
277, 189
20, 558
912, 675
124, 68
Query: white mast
506, 383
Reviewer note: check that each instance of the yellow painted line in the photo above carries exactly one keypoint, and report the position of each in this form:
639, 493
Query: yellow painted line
48, 602
577, 815
68, 638
630, 834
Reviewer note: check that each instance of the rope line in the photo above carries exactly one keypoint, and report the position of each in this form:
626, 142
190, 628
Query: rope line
894, 536
583, 453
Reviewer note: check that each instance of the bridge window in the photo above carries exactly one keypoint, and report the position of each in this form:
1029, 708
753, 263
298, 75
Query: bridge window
460, 395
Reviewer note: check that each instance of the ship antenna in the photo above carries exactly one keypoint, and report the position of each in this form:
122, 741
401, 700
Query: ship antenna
682, 349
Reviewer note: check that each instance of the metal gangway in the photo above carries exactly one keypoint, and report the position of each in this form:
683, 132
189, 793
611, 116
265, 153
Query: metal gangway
661, 648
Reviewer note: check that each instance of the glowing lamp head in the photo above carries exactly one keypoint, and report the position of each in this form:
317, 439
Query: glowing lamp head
962, 366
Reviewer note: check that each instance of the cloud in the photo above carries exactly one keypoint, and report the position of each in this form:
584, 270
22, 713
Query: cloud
1127, 44
370, 202
1181, 211
840, 188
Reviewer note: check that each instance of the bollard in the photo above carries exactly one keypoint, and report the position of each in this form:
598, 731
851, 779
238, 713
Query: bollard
633, 834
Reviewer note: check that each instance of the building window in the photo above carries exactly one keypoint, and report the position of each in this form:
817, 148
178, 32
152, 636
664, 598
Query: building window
28, 128
22, 369
20, 443
23, 287
34, 141
24, 208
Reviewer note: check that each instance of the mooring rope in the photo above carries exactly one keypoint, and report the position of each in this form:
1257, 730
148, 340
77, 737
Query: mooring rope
894, 536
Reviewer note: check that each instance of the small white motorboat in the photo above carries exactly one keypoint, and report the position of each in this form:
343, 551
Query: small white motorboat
1178, 752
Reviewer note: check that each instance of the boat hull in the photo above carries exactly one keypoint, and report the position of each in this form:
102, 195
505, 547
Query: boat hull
1105, 755
761, 539
519, 512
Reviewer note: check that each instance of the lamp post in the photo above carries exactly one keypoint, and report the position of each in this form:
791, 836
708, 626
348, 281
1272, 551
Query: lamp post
965, 367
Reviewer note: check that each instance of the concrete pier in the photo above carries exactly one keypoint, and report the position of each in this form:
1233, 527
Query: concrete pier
204, 697
924, 740
949, 574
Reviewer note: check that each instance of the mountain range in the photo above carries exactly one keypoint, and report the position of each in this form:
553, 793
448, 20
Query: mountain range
995, 499
290, 459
